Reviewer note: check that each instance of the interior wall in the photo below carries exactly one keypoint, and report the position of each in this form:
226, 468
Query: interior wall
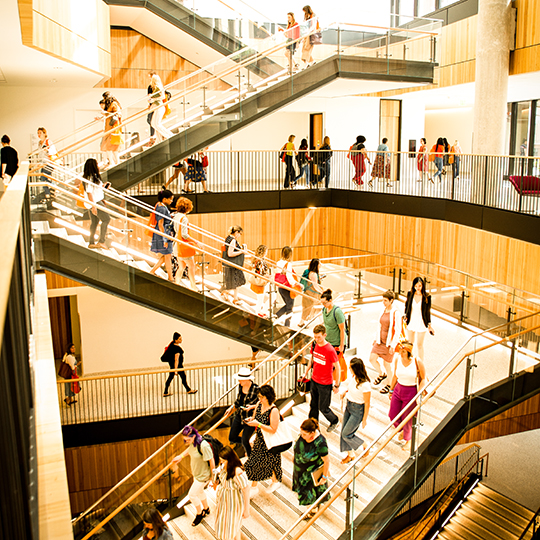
450, 123
118, 335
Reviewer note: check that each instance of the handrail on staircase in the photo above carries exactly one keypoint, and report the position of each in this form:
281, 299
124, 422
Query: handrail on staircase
390, 432
171, 464
164, 235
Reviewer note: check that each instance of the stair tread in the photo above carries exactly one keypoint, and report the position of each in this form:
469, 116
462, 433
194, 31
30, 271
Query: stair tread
484, 520
505, 501
471, 521
508, 519
460, 530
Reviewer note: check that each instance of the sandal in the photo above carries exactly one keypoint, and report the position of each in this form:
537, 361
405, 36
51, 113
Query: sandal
380, 379
385, 390
346, 459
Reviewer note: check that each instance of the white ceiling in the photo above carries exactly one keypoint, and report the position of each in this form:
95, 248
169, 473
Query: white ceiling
23, 66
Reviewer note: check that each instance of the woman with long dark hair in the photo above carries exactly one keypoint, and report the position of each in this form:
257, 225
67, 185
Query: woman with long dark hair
202, 464
285, 275
71, 361
358, 155
418, 314
422, 163
232, 498
303, 159
292, 33
155, 527
233, 252
95, 194
163, 223
358, 392
438, 153
309, 41
311, 281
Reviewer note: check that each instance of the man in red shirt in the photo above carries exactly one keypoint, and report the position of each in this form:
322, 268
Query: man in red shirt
325, 377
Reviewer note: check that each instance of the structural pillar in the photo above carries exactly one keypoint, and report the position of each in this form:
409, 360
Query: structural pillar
494, 34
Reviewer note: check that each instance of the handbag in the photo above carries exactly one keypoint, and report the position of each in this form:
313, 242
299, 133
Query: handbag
281, 279
65, 370
281, 440
186, 251
316, 38
303, 386
75, 386
151, 223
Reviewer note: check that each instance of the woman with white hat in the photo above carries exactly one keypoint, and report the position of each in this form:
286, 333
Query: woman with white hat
246, 400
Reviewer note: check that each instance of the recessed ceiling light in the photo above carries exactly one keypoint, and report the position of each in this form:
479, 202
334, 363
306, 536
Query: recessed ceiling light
58, 67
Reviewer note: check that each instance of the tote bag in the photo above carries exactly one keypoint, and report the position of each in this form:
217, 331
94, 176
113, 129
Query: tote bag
281, 440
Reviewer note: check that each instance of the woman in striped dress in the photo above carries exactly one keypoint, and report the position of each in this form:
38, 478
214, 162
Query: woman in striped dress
232, 500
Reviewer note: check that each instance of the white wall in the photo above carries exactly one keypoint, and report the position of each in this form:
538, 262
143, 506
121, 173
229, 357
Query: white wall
453, 124
119, 335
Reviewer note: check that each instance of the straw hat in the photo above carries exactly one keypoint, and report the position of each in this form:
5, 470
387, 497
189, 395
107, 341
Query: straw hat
244, 374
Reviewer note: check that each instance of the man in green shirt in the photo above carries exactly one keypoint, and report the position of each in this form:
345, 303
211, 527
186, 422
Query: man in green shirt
334, 321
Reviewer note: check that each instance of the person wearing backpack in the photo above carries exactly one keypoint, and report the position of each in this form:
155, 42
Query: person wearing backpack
174, 356
311, 283
202, 464
336, 328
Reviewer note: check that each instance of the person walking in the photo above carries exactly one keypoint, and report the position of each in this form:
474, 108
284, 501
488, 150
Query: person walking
285, 276
9, 160
437, 152
45, 154
94, 192
288, 153
184, 253
381, 167
258, 285
455, 157
386, 340
246, 400
71, 361
325, 378
422, 162
233, 252
196, 171
324, 155
446, 156
158, 99
310, 455
418, 314
409, 378
174, 356
311, 39
202, 465
261, 463
111, 142
304, 163
163, 223
232, 497
357, 391
311, 282
334, 322
358, 155
154, 526
292, 33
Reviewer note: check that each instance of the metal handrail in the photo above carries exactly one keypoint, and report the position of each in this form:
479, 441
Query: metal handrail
534, 522
431, 389
436, 506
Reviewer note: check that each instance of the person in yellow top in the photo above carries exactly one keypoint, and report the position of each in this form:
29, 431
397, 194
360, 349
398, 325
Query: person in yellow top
455, 159
288, 152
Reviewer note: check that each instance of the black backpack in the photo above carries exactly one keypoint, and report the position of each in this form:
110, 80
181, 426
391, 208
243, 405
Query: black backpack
215, 445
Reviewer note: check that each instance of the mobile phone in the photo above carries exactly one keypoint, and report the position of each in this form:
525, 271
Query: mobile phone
107, 185
431, 331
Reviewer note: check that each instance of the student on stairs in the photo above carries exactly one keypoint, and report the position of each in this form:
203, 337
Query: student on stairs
202, 465
94, 192
232, 498
154, 526
358, 392
325, 378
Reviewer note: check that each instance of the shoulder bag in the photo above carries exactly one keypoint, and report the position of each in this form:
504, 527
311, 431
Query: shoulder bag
65, 370
281, 440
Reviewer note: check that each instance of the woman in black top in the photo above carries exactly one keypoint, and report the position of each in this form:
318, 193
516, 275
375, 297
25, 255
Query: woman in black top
323, 161
303, 160
9, 160
418, 314
174, 356
233, 252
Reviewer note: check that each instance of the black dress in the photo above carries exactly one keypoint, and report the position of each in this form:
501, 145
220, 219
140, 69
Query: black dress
232, 277
261, 463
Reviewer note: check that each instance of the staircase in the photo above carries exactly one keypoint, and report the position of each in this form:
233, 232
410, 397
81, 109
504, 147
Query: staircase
488, 515
237, 110
271, 514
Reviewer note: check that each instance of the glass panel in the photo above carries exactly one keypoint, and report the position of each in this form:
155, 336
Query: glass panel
445, 3
536, 149
522, 128
426, 6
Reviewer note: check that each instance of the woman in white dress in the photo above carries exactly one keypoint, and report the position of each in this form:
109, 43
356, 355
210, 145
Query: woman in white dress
418, 314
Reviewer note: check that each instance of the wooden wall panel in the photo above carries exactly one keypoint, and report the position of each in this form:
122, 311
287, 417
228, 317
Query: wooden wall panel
55, 281
527, 29
60, 315
522, 417
133, 56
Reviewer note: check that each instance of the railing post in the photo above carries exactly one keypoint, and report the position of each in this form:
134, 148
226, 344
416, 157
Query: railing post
468, 376
393, 272
348, 500
349, 334
462, 310
401, 274
358, 295
512, 367
485, 178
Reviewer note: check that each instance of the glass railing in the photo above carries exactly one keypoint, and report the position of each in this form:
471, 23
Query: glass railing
223, 91
479, 363
153, 479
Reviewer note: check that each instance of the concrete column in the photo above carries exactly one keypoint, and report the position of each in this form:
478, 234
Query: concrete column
494, 33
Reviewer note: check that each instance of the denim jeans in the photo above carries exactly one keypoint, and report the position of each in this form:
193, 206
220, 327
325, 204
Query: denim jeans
94, 221
289, 172
325, 169
304, 170
455, 166
237, 427
288, 307
352, 418
321, 397
439, 165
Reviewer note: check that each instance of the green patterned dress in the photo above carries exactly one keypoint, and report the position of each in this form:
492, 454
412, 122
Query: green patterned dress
308, 458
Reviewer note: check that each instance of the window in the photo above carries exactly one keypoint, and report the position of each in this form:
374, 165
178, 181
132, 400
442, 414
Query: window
426, 6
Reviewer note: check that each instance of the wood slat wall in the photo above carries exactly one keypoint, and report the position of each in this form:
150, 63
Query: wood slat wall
133, 56
55, 281
522, 417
